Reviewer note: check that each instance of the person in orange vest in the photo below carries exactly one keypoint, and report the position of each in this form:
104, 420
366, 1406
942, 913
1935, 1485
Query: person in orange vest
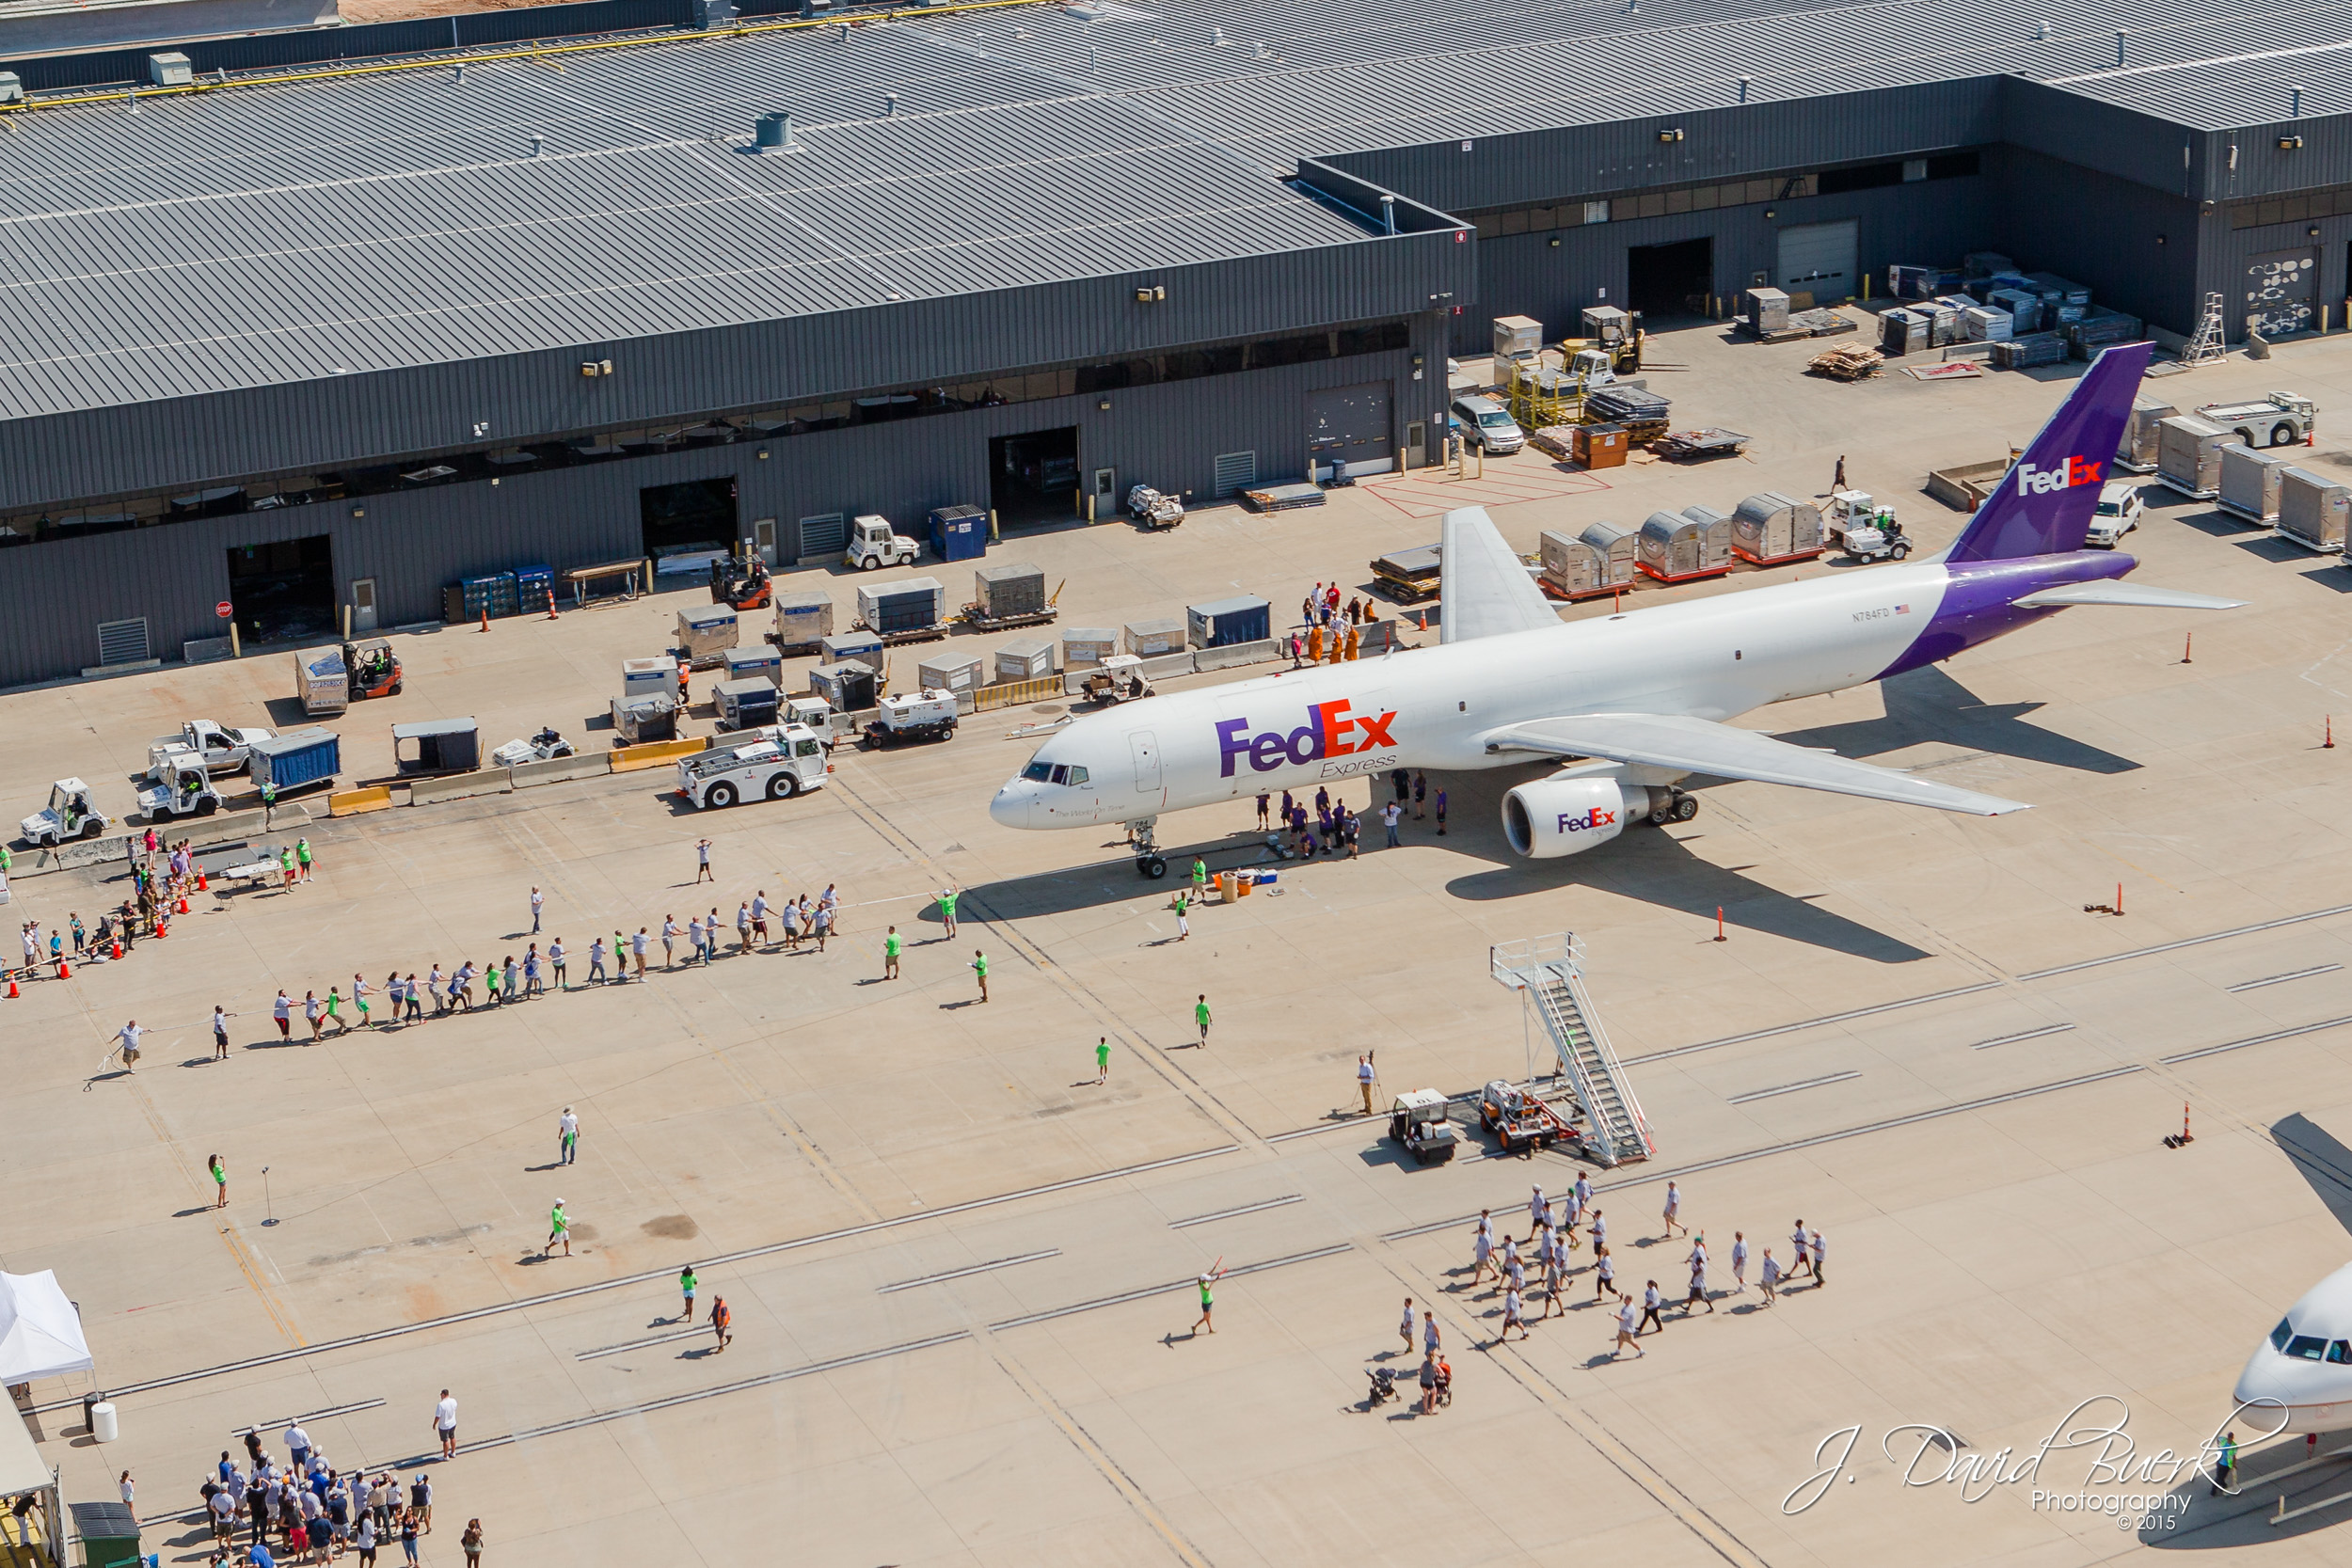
722, 1322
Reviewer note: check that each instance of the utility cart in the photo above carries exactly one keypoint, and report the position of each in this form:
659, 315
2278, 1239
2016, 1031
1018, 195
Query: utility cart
1422, 1123
1118, 679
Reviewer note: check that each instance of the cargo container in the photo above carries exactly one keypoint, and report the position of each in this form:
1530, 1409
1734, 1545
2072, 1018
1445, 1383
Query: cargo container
2138, 451
845, 647
1513, 336
642, 677
846, 688
910, 610
1573, 569
1083, 647
2249, 482
296, 760
1674, 548
745, 704
760, 663
1768, 529
1902, 332
442, 745
2188, 455
322, 683
644, 716
1715, 536
1150, 639
2313, 510
1619, 548
959, 533
1025, 658
1767, 311
705, 634
1221, 624
1011, 595
801, 619
949, 672
1408, 575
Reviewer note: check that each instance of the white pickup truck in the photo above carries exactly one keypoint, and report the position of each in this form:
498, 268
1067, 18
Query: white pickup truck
225, 749
791, 759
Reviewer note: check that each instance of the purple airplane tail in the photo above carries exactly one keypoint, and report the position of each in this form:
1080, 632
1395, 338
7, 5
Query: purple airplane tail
2044, 502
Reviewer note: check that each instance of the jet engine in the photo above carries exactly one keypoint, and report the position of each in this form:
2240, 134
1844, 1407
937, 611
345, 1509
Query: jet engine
1563, 814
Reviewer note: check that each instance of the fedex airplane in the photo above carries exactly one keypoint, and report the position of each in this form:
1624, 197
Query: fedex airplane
2301, 1378
1634, 703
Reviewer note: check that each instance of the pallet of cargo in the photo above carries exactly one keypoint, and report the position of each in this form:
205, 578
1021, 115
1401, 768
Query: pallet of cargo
1821, 322
1850, 363
1699, 446
1283, 497
932, 633
1409, 576
973, 617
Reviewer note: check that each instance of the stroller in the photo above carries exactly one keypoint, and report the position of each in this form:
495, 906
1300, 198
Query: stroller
1383, 1387
1443, 1395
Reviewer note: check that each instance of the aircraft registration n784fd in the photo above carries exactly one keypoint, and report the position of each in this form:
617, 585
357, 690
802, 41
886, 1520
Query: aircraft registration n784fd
1635, 703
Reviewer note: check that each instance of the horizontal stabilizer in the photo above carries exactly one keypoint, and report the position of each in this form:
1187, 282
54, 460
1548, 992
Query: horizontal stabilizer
2134, 593
1700, 746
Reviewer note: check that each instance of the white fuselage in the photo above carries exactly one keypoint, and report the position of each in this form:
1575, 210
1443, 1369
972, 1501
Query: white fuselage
1708, 658
2300, 1378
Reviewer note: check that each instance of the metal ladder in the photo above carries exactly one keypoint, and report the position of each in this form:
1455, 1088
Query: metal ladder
1548, 974
2207, 346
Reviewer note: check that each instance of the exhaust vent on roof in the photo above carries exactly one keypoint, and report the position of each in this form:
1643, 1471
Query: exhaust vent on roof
12, 88
169, 71
774, 134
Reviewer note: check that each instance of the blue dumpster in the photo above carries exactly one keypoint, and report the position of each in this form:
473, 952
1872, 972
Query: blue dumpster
959, 533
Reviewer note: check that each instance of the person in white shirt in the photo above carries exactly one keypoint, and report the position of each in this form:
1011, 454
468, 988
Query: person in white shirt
220, 1034
1767, 1275
595, 961
128, 1038
1740, 1260
637, 946
1538, 1209
1482, 1248
1698, 1281
436, 983
445, 1423
1405, 1329
297, 1445
1511, 1318
1365, 1077
1821, 1249
669, 941
759, 917
567, 1136
1798, 1259
538, 902
1651, 1301
1601, 1228
1673, 1212
1625, 1328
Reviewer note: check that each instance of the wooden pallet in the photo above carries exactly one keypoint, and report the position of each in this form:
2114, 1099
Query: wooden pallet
1850, 363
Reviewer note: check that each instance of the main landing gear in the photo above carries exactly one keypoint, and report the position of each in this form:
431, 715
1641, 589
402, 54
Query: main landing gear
1149, 861
1679, 807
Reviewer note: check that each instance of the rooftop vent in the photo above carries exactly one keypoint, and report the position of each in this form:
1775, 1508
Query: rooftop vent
169, 71
774, 134
539, 145
890, 103
12, 88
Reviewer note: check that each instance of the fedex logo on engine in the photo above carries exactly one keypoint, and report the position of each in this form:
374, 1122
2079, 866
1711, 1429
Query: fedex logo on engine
1586, 823
2041, 481
1330, 730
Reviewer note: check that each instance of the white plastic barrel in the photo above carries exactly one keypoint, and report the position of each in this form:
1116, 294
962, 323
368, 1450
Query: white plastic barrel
102, 1422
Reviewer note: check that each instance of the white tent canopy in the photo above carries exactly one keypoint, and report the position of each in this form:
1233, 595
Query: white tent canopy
40, 1334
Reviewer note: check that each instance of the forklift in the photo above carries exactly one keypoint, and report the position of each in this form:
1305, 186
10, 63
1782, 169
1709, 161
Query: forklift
372, 668
1612, 342
741, 582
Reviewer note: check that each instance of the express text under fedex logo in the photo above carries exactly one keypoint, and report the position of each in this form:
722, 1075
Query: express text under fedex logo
2040, 481
1330, 730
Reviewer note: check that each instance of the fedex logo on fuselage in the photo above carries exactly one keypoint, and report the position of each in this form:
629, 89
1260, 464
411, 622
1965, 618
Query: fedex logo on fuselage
1327, 733
2040, 481
1586, 823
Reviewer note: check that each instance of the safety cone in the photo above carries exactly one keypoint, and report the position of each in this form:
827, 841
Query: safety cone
485, 617
202, 884
117, 949
551, 615
163, 929
65, 970
12, 987
183, 904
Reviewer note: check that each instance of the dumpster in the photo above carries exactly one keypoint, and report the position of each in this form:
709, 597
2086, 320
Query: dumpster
296, 759
705, 635
745, 704
440, 746
109, 1533
760, 663
959, 533
1223, 622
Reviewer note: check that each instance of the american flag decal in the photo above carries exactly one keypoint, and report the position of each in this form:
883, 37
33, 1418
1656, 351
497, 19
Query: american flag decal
1902, 609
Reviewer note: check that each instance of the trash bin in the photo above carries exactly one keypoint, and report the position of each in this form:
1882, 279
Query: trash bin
102, 1421
109, 1533
90, 1402
1226, 890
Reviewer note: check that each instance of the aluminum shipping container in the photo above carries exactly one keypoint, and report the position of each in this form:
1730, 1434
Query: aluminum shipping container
1024, 658
914, 605
1083, 647
1674, 546
2188, 455
705, 634
2137, 451
760, 663
846, 688
1770, 527
1515, 336
1016, 588
1150, 639
2249, 482
643, 678
845, 647
1572, 568
950, 673
745, 704
2025, 310
2313, 509
1987, 324
1768, 310
321, 683
1620, 550
802, 620
1245, 618
1714, 537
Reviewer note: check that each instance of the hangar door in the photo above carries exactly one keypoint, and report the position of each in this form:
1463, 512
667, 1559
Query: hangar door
1350, 423
2282, 292
1817, 258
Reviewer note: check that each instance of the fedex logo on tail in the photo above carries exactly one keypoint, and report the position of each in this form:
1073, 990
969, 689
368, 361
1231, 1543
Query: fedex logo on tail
2041, 481
1330, 730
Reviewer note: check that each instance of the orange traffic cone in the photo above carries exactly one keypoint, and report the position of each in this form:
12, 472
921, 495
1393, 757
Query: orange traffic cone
117, 949
12, 987
201, 884
163, 929
551, 615
485, 617
183, 904
65, 970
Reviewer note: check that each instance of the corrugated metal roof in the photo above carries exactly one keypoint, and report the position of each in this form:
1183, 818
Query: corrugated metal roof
170, 245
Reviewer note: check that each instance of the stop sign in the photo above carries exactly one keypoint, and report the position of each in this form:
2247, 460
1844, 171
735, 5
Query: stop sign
224, 609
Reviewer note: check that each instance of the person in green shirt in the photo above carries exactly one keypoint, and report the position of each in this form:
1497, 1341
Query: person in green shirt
490, 982
980, 967
286, 865
334, 1010
558, 1230
1102, 1060
686, 1283
1183, 921
1199, 881
1200, 1017
1208, 1301
302, 853
6, 860
892, 947
948, 896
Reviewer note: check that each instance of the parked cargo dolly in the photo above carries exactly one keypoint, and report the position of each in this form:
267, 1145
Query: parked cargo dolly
1409, 576
1699, 446
1009, 596
914, 610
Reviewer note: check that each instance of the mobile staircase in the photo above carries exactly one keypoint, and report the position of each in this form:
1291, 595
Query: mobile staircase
1547, 973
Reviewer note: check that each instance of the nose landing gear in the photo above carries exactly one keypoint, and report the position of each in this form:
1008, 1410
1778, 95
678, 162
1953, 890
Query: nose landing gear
1149, 861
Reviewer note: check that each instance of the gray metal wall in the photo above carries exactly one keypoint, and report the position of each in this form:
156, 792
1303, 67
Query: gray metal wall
2137, 248
353, 420
1930, 221
415, 543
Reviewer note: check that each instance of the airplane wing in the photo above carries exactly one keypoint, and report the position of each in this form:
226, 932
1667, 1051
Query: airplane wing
1700, 746
1483, 587
2109, 592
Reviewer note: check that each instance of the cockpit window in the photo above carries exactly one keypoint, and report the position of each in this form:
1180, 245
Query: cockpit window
1038, 772
2280, 1334
1077, 775
2340, 1352
2306, 1347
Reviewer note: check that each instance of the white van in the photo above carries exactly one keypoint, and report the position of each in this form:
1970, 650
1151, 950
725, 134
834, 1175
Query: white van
1487, 425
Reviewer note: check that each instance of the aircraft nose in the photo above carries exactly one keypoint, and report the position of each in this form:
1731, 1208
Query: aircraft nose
1012, 806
